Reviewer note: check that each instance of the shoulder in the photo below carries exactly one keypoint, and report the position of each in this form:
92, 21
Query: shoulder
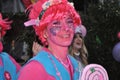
32, 71
3, 55
1, 62
17, 65
73, 59
5, 58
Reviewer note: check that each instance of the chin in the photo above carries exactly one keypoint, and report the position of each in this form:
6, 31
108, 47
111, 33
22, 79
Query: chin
65, 44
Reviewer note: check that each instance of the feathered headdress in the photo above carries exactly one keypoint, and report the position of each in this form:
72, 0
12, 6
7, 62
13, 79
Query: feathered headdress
81, 29
4, 25
45, 5
45, 11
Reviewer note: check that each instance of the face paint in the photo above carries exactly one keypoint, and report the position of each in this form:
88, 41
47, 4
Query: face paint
54, 30
61, 32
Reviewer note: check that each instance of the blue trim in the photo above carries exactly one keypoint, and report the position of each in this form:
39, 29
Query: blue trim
8, 66
43, 58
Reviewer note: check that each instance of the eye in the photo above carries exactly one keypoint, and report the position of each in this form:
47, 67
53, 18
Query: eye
70, 21
56, 22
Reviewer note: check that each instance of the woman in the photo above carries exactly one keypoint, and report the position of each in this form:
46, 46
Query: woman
54, 22
77, 48
8, 66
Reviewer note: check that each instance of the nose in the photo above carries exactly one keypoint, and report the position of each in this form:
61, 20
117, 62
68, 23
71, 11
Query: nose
65, 27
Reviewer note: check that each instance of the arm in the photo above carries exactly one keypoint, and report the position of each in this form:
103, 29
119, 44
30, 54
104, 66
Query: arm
15, 63
1, 62
34, 71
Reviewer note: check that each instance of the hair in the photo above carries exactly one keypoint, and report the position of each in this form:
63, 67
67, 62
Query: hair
54, 12
83, 51
4, 25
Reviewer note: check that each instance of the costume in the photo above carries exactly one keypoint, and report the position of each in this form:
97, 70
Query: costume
8, 67
53, 68
77, 57
54, 22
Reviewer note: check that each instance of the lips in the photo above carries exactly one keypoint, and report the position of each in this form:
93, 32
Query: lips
64, 36
78, 43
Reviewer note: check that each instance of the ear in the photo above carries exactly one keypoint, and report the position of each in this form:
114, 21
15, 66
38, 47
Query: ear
45, 34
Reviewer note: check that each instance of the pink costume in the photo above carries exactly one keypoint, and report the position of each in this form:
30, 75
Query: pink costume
54, 22
8, 66
41, 72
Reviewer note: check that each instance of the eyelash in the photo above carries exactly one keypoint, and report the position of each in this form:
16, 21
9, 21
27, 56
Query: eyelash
70, 21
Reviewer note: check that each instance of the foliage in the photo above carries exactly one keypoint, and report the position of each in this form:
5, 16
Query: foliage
102, 21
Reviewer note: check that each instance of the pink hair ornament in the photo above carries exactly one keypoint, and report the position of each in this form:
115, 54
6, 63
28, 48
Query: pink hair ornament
45, 6
118, 35
81, 29
43, 12
32, 22
4, 25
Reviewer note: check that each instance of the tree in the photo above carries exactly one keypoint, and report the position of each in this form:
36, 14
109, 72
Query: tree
102, 21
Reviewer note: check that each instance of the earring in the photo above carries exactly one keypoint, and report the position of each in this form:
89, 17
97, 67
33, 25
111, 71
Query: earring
45, 36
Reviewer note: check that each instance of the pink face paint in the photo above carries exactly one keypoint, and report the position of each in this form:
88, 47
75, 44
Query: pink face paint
61, 32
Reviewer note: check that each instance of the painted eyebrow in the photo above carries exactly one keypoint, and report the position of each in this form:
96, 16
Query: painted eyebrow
70, 19
56, 22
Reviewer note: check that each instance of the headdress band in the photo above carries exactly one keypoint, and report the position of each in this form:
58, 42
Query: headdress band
45, 6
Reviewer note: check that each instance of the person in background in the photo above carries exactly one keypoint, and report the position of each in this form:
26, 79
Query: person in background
54, 22
78, 49
8, 66
36, 47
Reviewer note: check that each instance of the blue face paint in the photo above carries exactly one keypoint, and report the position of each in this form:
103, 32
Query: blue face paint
53, 32
55, 29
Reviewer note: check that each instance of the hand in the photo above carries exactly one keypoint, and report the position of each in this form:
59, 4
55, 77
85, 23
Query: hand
36, 48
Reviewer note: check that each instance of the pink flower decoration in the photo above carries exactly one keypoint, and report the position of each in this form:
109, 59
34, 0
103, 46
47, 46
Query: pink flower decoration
4, 25
118, 35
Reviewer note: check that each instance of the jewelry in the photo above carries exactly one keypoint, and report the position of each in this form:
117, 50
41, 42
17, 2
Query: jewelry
61, 61
57, 72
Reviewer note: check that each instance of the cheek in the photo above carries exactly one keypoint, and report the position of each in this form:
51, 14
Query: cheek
54, 31
72, 30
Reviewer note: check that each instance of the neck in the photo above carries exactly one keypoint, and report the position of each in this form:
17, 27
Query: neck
59, 51
76, 50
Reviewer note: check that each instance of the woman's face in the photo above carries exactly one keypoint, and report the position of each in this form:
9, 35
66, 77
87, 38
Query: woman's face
77, 41
61, 32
